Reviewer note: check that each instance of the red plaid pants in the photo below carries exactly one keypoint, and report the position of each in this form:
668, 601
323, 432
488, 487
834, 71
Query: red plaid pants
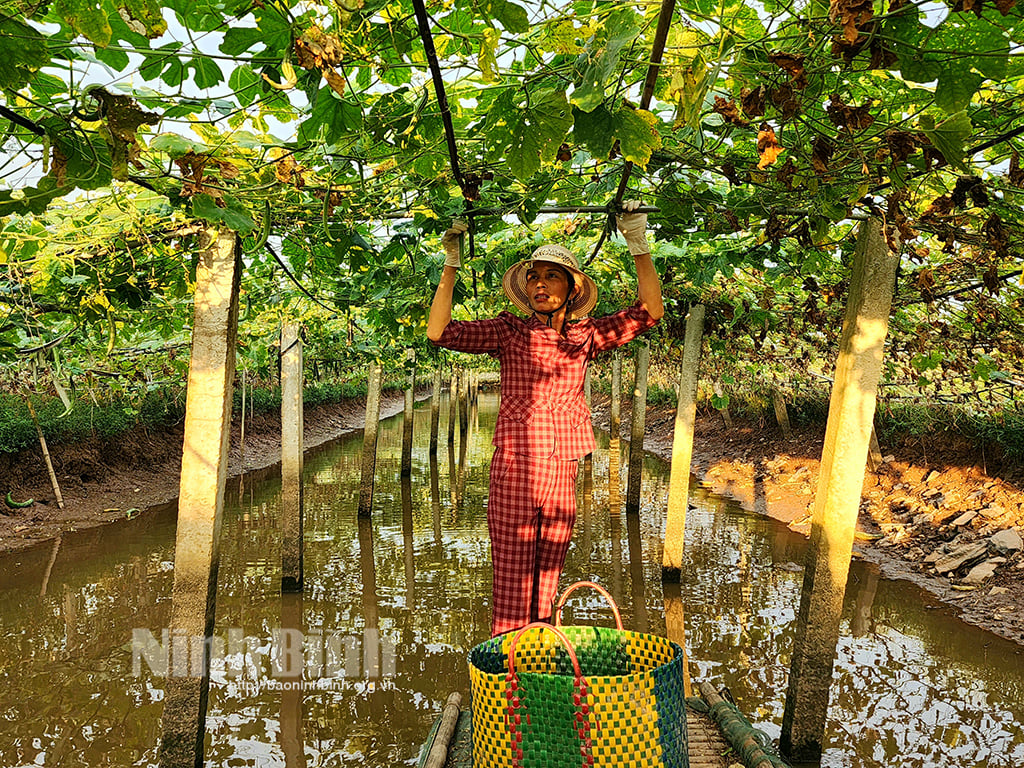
531, 510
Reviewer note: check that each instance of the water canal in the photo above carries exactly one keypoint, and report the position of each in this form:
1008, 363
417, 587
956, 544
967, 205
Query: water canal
392, 605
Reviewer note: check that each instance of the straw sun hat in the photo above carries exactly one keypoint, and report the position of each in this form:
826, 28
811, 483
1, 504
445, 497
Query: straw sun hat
514, 281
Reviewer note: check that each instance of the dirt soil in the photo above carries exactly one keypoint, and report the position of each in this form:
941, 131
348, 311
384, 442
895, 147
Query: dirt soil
928, 513
945, 516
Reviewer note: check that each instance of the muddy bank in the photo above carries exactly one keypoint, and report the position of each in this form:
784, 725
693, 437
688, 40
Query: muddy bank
946, 516
103, 480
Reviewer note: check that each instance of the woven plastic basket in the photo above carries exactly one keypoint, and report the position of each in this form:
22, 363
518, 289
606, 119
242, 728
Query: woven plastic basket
561, 697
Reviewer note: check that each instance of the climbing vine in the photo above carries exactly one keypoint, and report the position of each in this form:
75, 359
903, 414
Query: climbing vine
316, 132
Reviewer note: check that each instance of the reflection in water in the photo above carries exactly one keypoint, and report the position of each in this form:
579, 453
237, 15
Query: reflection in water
292, 682
913, 687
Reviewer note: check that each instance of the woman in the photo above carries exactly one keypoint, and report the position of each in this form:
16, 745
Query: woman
543, 426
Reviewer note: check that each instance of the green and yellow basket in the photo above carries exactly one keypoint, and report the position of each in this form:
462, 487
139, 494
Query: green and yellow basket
559, 697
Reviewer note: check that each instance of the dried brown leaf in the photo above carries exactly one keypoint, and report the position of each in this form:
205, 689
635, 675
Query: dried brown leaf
793, 64
768, 146
753, 101
940, 206
845, 116
1015, 174
727, 109
852, 15
786, 173
821, 154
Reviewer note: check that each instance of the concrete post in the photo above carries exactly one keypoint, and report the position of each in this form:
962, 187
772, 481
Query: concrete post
781, 412
453, 399
636, 432
435, 410
410, 402
291, 458
464, 387
372, 420
682, 446
850, 418
204, 465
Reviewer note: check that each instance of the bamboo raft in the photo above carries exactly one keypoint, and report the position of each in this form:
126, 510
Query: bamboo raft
719, 736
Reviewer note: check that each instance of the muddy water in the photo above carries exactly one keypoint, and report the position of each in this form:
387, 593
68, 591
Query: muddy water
392, 605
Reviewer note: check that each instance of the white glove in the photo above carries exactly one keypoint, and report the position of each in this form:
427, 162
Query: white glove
633, 226
451, 240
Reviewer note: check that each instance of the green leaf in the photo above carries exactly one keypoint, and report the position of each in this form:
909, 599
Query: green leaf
955, 87
638, 135
908, 37
949, 136
529, 133
144, 17
272, 32
335, 117
233, 215
595, 130
207, 73
89, 19
512, 17
600, 60
24, 52
78, 162
487, 61
175, 145
29, 199
972, 42
245, 83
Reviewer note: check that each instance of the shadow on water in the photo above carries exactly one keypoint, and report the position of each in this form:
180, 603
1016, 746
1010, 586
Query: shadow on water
393, 603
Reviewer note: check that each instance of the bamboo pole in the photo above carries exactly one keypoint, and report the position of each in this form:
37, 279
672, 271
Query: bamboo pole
201, 497
369, 459
291, 458
840, 484
438, 754
407, 415
636, 432
682, 446
46, 455
744, 744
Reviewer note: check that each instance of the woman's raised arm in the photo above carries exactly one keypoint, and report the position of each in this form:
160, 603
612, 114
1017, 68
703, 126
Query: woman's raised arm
441, 306
633, 227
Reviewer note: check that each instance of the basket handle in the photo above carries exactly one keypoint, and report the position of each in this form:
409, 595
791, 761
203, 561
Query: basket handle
601, 590
561, 636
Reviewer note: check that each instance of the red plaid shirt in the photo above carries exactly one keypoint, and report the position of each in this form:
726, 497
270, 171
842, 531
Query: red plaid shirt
543, 411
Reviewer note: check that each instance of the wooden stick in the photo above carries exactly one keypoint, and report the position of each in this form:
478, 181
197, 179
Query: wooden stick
46, 455
438, 754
